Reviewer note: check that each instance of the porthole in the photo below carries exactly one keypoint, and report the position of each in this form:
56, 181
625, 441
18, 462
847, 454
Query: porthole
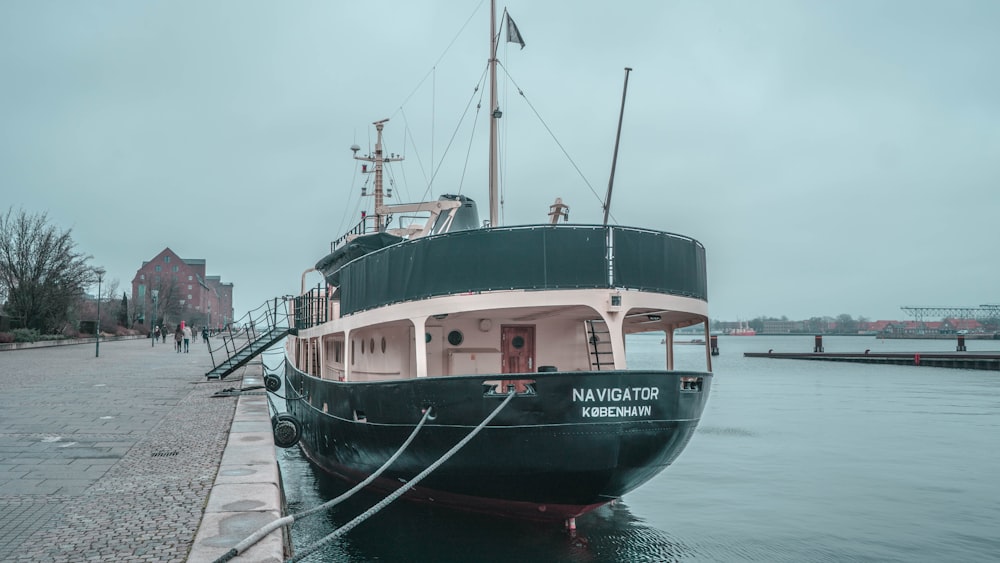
362, 347
371, 345
427, 337
517, 342
455, 338
352, 351
383, 345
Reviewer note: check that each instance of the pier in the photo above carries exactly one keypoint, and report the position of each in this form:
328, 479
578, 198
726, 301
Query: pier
132, 456
959, 360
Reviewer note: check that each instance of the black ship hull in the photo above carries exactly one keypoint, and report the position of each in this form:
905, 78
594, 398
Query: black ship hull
567, 443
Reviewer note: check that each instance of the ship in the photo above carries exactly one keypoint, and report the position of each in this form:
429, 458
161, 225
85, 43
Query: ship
488, 361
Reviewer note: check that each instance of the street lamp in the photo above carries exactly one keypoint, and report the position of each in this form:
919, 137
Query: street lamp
100, 278
156, 293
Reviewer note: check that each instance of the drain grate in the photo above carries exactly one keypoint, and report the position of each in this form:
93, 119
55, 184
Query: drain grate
165, 454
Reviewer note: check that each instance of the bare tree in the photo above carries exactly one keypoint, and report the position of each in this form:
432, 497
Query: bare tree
41, 273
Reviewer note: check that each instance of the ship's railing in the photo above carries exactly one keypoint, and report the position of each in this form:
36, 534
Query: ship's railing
533, 258
365, 226
312, 308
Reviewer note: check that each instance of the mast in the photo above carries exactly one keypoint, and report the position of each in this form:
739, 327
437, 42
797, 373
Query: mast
378, 160
614, 159
494, 117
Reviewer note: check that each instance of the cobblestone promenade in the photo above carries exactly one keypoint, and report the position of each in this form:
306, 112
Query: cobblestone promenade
109, 458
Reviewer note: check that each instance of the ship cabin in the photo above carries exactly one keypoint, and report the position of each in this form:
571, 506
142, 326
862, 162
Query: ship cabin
517, 300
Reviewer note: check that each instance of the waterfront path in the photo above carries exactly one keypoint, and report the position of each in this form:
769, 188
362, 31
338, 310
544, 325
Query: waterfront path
111, 458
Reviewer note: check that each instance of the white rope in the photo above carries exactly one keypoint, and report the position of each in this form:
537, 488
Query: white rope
402, 490
288, 520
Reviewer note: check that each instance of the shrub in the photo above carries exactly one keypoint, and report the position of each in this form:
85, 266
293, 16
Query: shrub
6, 338
25, 335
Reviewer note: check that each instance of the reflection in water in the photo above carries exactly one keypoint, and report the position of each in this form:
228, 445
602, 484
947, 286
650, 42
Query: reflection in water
793, 461
406, 531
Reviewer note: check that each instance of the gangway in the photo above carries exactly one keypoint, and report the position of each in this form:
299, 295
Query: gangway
246, 339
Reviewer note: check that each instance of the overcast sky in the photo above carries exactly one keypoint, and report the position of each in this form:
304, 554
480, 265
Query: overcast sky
833, 157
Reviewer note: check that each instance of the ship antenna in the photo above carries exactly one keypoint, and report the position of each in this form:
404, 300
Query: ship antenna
378, 159
614, 159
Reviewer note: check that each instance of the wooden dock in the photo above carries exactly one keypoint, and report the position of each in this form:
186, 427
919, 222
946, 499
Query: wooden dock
958, 360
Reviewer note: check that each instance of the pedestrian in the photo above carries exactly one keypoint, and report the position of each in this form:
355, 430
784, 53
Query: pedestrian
163, 333
178, 336
204, 334
156, 334
187, 339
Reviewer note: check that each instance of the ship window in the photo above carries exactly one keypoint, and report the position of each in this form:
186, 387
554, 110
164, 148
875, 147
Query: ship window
383, 345
517, 342
455, 338
427, 337
352, 352
371, 345
362, 347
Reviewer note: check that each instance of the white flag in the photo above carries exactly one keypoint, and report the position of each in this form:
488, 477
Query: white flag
513, 35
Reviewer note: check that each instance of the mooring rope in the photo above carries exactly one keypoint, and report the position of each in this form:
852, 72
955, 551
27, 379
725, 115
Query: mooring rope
402, 490
288, 520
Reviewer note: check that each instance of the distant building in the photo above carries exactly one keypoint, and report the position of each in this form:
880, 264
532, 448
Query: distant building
183, 293
774, 326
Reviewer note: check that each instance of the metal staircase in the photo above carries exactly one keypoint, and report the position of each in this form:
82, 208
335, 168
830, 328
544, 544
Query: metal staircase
599, 345
242, 342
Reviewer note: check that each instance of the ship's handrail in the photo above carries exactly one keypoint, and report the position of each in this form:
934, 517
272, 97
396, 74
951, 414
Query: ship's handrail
533, 257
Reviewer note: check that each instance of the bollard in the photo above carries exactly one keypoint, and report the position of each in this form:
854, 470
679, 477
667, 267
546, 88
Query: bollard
818, 347
961, 343
714, 340
916, 359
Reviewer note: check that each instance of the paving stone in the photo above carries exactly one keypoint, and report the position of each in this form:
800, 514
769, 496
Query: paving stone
113, 458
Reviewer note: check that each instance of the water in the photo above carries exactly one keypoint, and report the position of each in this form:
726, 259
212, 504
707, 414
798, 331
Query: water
793, 461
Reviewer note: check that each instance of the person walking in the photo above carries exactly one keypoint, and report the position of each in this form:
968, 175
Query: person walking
178, 336
163, 333
187, 339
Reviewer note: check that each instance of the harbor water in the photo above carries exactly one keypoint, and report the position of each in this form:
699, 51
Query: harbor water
793, 461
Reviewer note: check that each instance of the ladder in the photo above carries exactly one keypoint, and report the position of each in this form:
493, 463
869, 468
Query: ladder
599, 344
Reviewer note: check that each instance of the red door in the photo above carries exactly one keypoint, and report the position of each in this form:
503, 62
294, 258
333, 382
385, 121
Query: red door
517, 348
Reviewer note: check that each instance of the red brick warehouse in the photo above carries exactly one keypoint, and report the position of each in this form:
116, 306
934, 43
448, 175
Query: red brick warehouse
183, 293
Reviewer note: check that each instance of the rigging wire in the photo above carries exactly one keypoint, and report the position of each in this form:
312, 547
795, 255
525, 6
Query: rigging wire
354, 179
563, 149
438, 61
472, 136
454, 134
409, 135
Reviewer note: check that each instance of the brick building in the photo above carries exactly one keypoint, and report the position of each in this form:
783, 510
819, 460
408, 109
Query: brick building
182, 293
